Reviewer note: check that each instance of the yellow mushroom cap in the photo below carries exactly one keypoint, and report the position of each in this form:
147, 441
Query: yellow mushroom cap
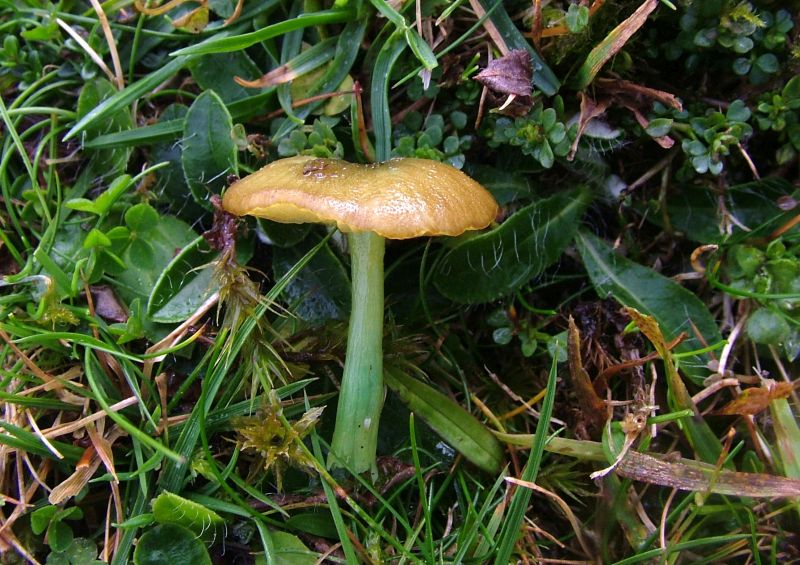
397, 199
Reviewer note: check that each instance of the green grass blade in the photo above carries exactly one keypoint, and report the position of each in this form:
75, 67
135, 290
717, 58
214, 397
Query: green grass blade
519, 503
126, 96
381, 116
238, 42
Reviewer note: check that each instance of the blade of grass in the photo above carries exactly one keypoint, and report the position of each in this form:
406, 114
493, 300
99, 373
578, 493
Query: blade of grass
239, 42
91, 367
379, 99
519, 503
126, 96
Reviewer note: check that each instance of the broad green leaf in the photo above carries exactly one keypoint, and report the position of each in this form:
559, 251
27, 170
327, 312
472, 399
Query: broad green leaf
695, 211
289, 550
217, 71
171, 183
149, 254
170, 544
485, 267
188, 281
505, 185
284, 235
169, 508
314, 523
456, 426
675, 308
209, 152
184, 284
321, 291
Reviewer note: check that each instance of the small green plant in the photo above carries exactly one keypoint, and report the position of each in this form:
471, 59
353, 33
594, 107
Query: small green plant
753, 40
780, 112
509, 324
772, 274
65, 548
426, 139
707, 138
318, 140
540, 134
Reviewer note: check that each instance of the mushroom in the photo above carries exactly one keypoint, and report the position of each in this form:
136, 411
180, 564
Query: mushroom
397, 199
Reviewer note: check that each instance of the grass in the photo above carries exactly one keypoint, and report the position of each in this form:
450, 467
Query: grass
604, 375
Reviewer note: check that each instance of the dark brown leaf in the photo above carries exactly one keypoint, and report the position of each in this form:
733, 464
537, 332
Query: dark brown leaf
510, 74
107, 306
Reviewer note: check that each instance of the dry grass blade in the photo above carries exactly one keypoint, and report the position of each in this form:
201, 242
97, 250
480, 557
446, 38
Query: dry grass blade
93, 55
699, 477
577, 527
119, 78
612, 43
491, 29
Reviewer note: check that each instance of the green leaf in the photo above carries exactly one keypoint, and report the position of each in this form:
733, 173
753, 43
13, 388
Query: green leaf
170, 544
96, 238
421, 49
188, 281
59, 536
169, 508
484, 267
141, 218
315, 523
456, 426
695, 212
659, 127
284, 235
674, 308
577, 18
768, 327
289, 550
41, 517
321, 291
149, 254
217, 71
209, 152
791, 91
184, 284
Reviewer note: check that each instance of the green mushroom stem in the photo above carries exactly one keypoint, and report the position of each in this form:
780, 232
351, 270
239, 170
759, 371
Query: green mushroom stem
355, 437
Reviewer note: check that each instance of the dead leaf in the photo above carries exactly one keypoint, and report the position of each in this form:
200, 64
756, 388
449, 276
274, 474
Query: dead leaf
510, 74
686, 474
279, 75
194, 21
106, 304
593, 408
754, 400
590, 109
612, 43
